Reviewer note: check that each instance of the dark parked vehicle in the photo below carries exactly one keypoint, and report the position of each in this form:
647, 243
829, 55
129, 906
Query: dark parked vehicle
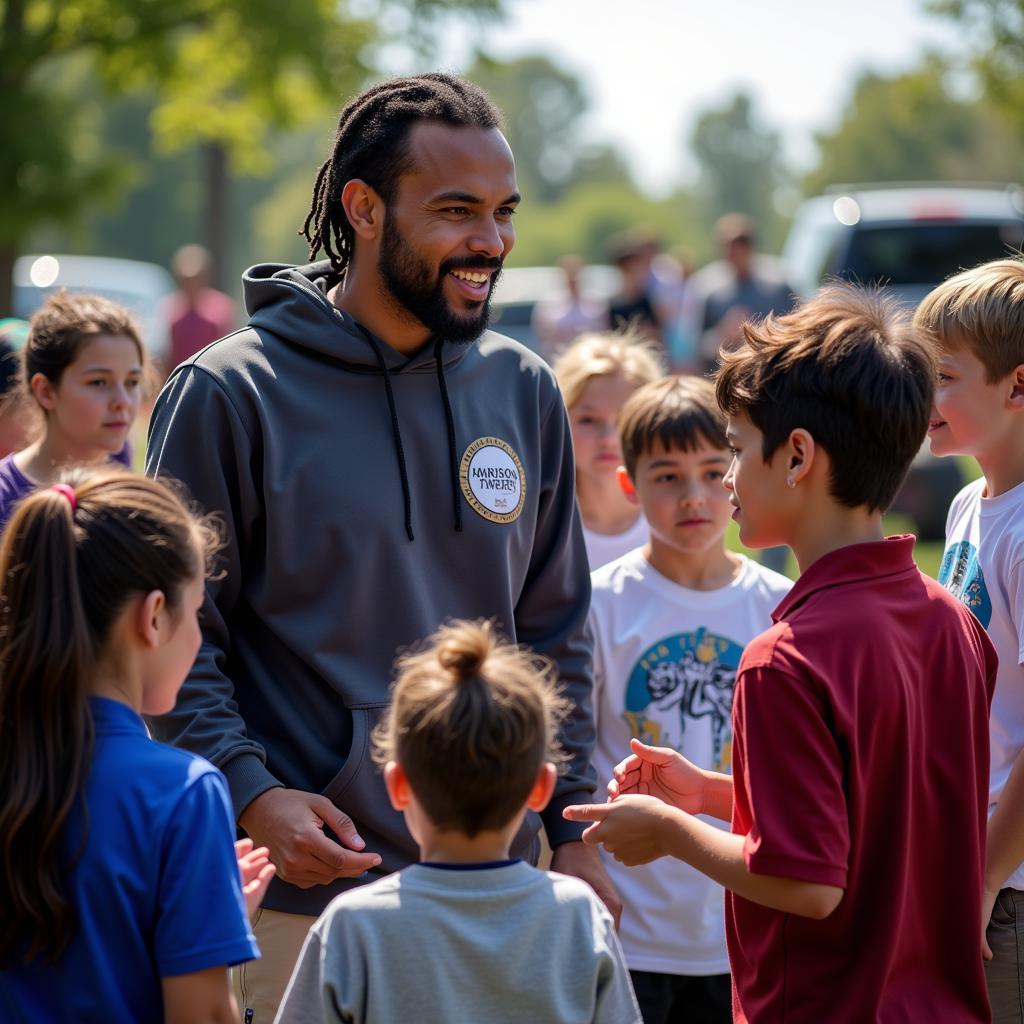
907, 239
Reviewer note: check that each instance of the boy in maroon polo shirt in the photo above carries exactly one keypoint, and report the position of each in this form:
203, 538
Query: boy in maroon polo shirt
860, 719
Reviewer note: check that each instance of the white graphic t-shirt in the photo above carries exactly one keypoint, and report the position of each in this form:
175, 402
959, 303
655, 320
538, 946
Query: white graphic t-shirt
984, 567
603, 548
665, 660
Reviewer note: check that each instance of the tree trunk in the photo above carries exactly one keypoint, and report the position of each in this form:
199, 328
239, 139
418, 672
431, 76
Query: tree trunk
8, 252
215, 224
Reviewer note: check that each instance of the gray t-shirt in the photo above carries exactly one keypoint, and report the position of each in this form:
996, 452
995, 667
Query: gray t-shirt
435, 944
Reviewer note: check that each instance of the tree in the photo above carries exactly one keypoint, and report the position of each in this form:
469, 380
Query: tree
911, 127
740, 165
997, 29
222, 75
544, 106
585, 218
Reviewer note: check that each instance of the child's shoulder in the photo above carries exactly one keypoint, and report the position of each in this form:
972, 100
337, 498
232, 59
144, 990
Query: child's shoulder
969, 496
620, 573
154, 773
574, 892
759, 579
383, 894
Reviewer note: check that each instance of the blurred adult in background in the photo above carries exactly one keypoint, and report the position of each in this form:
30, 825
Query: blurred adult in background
558, 320
741, 285
197, 314
635, 305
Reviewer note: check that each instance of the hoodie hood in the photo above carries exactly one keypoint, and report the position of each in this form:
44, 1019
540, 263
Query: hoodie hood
292, 302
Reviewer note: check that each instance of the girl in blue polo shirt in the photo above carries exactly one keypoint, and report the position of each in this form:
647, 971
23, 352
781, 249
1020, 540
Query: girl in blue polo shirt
120, 894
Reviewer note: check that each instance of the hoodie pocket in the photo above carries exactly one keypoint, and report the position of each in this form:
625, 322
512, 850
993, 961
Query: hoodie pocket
364, 718
358, 790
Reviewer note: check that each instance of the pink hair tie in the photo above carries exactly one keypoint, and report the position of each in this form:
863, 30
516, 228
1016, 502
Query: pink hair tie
68, 492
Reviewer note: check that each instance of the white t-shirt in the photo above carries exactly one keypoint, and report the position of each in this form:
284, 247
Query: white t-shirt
984, 567
665, 660
603, 548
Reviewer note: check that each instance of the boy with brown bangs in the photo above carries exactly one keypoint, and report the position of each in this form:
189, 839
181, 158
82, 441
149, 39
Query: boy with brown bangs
468, 934
976, 323
860, 718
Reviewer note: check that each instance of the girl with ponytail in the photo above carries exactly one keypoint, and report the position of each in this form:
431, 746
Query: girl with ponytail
120, 895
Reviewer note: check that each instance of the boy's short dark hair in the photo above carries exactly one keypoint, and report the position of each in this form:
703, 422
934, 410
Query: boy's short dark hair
848, 367
472, 720
982, 308
678, 411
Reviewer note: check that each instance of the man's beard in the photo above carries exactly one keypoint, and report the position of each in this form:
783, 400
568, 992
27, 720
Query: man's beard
419, 294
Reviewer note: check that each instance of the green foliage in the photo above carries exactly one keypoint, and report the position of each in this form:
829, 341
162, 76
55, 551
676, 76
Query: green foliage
211, 71
911, 127
995, 29
741, 166
543, 105
584, 219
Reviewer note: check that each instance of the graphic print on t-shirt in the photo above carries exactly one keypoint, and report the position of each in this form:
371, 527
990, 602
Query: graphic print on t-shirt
682, 683
961, 575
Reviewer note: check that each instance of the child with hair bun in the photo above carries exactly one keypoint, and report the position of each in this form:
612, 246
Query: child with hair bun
120, 894
84, 370
468, 748
597, 373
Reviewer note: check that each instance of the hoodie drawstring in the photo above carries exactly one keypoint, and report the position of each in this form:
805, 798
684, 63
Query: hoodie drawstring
453, 453
396, 432
395, 429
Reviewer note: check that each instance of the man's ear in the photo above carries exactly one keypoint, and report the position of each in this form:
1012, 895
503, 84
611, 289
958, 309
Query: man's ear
799, 451
543, 787
364, 208
1016, 399
397, 784
627, 485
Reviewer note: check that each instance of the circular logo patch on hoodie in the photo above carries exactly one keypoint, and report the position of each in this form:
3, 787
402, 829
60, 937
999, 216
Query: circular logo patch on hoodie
493, 479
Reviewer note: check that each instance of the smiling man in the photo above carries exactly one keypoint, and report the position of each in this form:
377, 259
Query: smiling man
383, 463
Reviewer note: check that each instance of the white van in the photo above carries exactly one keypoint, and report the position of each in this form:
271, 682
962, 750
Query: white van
142, 287
908, 238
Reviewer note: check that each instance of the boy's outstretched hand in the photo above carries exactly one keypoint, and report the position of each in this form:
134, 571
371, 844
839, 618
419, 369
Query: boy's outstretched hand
660, 772
256, 870
633, 829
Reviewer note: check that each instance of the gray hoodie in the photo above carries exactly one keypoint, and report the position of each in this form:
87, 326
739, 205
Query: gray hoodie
367, 497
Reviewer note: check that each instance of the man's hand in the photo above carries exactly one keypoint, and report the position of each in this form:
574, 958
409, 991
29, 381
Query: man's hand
256, 870
290, 824
633, 829
660, 772
988, 902
582, 862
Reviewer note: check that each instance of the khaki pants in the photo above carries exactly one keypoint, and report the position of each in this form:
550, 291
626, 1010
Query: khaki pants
259, 984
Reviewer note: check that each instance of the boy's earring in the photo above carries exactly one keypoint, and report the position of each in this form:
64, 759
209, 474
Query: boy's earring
790, 482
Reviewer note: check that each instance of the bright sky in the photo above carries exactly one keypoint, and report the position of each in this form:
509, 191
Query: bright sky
650, 66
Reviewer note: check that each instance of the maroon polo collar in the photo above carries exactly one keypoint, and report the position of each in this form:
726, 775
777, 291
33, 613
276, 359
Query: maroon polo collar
851, 564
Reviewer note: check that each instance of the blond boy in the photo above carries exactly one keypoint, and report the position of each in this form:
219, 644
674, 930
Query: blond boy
976, 323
